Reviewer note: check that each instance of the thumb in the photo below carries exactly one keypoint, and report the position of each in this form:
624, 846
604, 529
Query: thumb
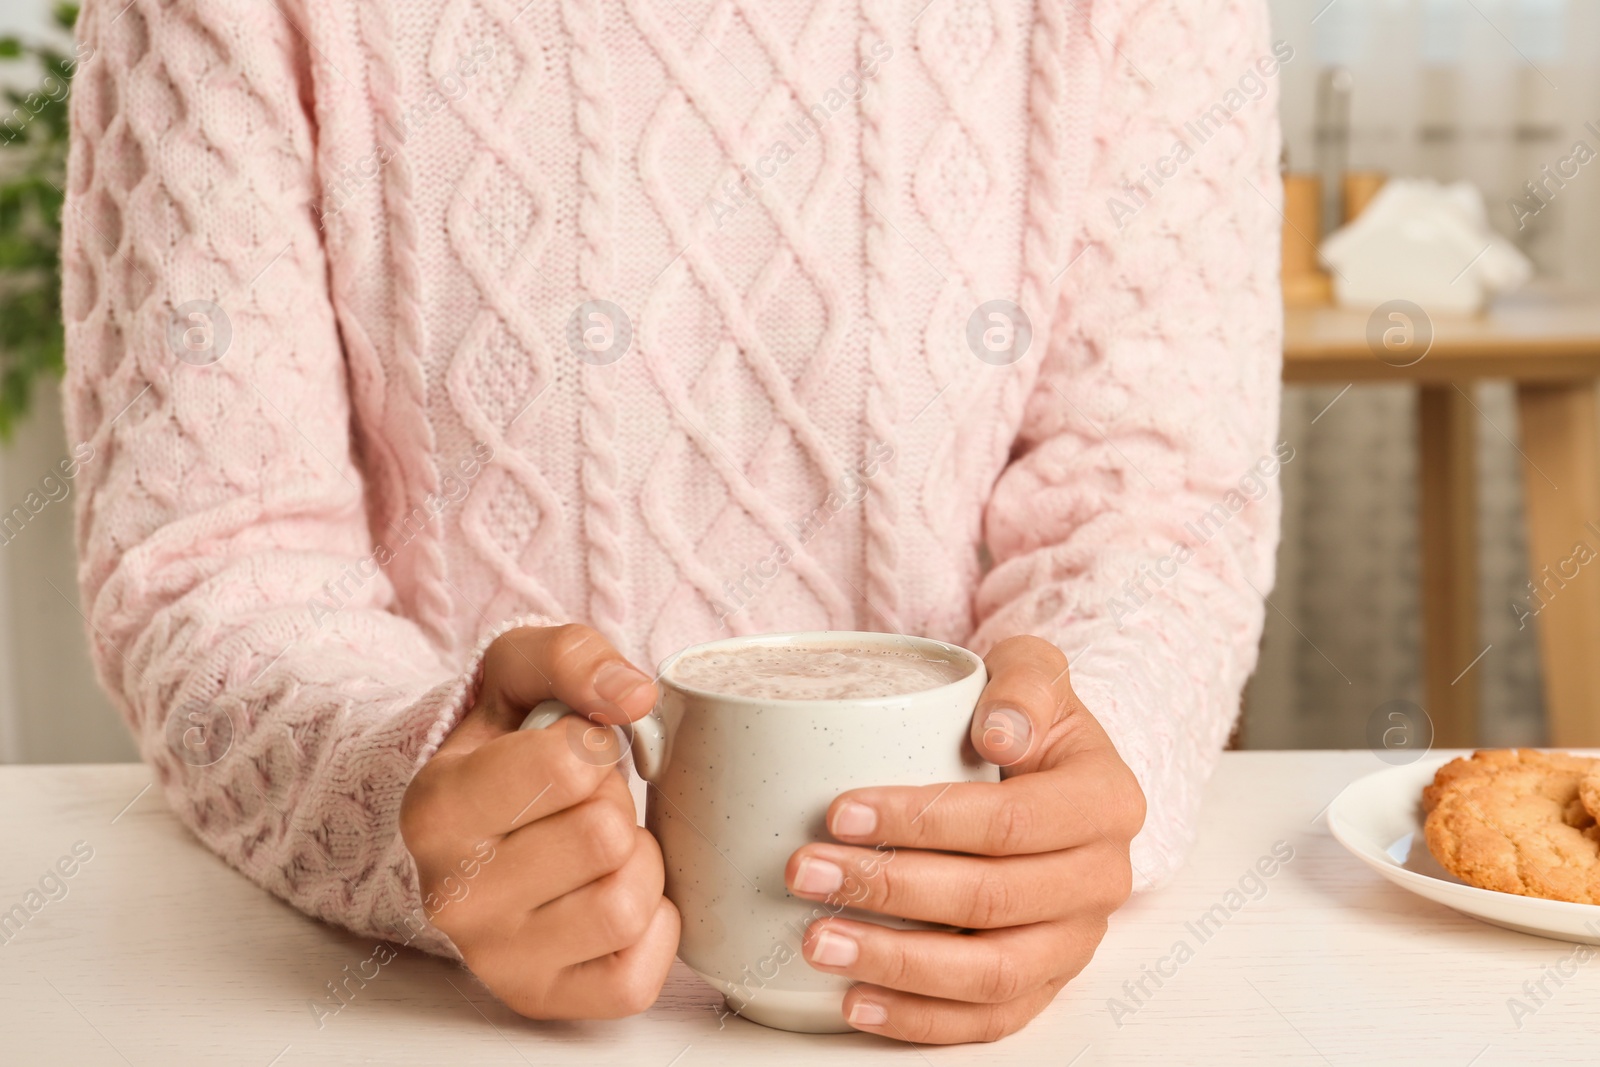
1028, 693
571, 663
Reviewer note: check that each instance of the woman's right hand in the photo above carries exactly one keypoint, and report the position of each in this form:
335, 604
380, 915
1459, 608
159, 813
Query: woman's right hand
562, 916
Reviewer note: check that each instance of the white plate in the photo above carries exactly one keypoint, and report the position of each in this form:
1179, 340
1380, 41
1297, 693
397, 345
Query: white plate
1379, 818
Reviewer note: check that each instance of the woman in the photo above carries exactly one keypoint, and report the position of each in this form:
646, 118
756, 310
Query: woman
439, 358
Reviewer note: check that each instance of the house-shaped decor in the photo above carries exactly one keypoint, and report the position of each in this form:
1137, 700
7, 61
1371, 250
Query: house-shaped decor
1425, 242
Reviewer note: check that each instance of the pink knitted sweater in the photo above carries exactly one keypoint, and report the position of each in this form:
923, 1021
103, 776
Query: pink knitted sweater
331, 273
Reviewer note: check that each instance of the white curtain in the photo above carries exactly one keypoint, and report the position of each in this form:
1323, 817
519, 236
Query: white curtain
1487, 90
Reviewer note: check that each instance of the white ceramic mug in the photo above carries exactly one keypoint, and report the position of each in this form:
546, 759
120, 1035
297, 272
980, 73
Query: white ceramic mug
742, 782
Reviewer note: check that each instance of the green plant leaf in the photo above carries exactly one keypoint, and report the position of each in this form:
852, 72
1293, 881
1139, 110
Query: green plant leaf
33, 151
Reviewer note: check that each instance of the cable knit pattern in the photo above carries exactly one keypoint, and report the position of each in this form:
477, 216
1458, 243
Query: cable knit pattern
410, 328
881, 173
596, 220
1158, 396
295, 548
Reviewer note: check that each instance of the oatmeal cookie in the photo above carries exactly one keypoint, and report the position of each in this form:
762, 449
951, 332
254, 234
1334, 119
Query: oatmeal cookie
1589, 791
1513, 820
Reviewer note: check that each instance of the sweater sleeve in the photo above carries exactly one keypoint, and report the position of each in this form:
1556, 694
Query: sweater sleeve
1136, 523
237, 602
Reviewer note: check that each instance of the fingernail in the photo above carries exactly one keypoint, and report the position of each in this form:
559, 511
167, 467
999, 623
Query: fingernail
833, 949
818, 876
854, 820
1006, 733
866, 1013
615, 681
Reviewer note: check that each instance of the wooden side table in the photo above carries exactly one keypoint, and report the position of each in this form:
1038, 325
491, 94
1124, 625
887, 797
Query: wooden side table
1549, 345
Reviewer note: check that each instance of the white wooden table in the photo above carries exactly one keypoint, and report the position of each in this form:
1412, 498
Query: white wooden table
160, 954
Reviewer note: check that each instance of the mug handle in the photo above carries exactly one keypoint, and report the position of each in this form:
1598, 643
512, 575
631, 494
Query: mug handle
649, 735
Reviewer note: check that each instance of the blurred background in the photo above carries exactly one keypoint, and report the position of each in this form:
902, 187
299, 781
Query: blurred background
51, 710
1486, 91
1490, 92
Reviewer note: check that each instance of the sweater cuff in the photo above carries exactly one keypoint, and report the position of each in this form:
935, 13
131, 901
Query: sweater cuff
1171, 764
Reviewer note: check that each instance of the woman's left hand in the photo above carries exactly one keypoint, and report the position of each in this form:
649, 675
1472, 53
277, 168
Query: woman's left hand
1041, 863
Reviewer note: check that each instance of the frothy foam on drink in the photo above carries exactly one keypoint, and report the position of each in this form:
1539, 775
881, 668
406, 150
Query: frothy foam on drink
815, 672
